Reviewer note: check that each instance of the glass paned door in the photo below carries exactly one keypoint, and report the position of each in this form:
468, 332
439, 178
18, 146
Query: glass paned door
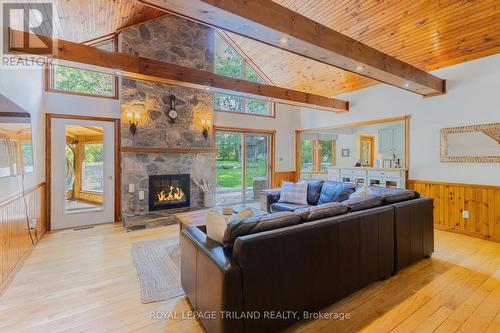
257, 164
243, 166
229, 167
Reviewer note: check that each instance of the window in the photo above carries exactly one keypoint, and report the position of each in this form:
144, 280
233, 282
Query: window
317, 155
307, 155
326, 154
13, 157
93, 167
5, 170
84, 82
229, 63
27, 154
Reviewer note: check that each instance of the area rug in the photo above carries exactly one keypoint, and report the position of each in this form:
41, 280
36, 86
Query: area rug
158, 265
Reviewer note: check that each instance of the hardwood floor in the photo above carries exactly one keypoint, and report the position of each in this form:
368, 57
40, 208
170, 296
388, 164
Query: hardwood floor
84, 281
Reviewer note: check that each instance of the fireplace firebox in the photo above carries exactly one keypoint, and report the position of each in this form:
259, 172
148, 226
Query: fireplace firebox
169, 191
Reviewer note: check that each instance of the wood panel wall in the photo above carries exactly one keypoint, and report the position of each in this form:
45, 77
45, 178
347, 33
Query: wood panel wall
15, 243
451, 199
283, 176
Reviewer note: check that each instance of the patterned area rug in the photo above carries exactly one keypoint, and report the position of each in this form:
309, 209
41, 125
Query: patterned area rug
158, 265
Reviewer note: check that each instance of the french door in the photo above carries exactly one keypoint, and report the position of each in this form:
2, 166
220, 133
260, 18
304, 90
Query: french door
82, 172
243, 165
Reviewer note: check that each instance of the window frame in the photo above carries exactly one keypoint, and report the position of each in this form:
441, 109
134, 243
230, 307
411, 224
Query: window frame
50, 75
245, 61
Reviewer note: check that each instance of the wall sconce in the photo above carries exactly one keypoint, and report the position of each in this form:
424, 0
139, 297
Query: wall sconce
133, 118
206, 124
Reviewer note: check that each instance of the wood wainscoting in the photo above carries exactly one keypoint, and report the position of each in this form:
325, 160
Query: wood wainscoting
15, 242
283, 176
451, 199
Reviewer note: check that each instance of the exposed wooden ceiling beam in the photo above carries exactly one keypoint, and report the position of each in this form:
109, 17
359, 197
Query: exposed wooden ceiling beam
157, 71
273, 24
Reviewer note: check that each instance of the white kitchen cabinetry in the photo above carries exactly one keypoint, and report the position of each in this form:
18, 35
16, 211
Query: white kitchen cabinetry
391, 140
372, 176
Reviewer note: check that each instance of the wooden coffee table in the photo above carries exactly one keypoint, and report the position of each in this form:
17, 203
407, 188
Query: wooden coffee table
195, 218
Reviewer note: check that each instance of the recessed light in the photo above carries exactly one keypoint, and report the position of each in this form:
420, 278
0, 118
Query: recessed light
283, 40
359, 68
406, 85
207, 88
119, 73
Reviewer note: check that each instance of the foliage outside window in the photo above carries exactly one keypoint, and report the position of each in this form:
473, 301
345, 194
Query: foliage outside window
93, 167
306, 155
326, 154
317, 155
229, 63
85, 82
27, 154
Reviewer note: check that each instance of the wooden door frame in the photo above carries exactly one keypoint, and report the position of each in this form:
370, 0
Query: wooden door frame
244, 131
48, 159
370, 138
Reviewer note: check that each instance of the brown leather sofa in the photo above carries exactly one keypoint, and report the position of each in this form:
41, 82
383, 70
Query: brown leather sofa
304, 267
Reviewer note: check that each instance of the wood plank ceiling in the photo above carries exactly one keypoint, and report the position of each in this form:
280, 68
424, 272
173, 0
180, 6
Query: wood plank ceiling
84, 20
428, 34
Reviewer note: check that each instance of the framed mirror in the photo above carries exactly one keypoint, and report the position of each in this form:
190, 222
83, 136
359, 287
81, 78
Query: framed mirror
471, 144
16, 146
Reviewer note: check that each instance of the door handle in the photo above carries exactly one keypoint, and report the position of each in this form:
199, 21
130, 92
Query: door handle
109, 177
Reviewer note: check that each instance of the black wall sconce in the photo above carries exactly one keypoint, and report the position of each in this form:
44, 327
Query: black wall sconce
206, 125
133, 119
172, 113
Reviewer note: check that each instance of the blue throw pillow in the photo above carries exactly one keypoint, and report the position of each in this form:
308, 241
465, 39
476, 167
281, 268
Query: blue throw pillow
335, 192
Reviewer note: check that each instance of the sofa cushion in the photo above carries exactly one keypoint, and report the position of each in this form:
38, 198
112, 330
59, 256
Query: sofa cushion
253, 225
216, 223
295, 193
314, 191
363, 202
322, 211
335, 192
285, 207
394, 195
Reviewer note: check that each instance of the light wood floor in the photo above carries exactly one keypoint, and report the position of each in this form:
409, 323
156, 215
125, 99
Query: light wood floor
84, 281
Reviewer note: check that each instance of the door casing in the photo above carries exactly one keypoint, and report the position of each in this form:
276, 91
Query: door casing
48, 164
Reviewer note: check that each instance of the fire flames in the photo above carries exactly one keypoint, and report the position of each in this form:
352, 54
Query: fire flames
174, 193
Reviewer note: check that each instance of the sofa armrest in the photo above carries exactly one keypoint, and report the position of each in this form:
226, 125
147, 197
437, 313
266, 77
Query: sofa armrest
211, 279
272, 196
213, 250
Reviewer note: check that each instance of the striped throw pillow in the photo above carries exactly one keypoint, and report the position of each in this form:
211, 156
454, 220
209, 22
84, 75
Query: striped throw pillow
295, 193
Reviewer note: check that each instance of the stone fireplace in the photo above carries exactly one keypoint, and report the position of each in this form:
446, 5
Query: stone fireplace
169, 191
161, 148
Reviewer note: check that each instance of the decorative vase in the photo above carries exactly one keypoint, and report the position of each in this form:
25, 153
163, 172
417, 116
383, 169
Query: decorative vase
209, 199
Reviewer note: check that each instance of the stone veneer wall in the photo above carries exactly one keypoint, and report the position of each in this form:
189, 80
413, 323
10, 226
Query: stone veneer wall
174, 40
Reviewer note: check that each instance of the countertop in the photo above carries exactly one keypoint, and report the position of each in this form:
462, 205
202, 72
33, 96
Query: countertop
360, 168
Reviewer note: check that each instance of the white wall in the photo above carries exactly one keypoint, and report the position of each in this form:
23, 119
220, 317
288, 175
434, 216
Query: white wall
472, 98
285, 124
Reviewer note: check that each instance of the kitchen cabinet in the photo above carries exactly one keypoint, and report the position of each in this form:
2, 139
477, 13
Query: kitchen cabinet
391, 140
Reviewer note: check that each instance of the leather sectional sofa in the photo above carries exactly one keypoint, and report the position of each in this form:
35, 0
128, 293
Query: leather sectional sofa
272, 270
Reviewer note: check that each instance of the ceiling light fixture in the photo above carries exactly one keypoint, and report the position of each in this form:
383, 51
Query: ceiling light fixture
283, 40
406, 85
359, 68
